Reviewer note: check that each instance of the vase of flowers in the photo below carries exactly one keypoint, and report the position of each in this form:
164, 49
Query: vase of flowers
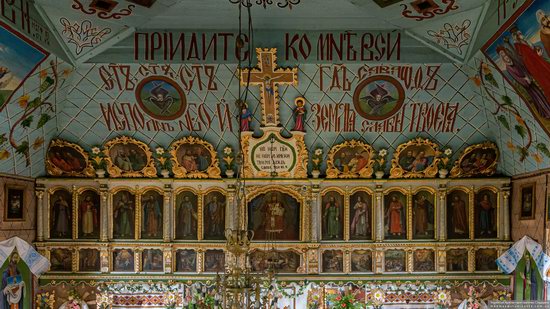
98, 161
229, 159
345, 301
380, 163
316, 161
162, 157
444, 163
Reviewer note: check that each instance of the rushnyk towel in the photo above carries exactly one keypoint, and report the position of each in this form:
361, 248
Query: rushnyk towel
37, 263
509, 260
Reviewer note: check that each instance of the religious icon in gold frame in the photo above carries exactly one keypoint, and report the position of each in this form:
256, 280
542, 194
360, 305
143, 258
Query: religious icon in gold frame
67, 159
527, 202
378, 97
350, 159
61, 259
424, 260
128, 157
457, 260
193, 157
477, 160
287, 261
417, 158
61, 214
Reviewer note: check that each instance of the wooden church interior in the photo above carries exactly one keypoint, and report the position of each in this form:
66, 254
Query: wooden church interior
274, 153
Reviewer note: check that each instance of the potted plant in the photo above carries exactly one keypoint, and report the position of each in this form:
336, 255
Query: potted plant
163, 161
317, 159
98, 161
229, 159
444, 163
380, 163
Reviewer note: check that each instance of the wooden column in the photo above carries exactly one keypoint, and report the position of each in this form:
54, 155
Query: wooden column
315, 222
40, 212
106, 212
505, 211
379, 213
442, 212
167, 215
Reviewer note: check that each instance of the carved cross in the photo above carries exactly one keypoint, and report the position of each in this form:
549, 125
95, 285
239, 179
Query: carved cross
268, 77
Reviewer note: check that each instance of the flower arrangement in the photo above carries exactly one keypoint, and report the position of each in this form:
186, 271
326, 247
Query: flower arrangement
170, 299
445, 160
162, 157
73, 301
472, 302
442, 298
104, 300
317, 158
45, 300
502, 295
380, 160
98, 158
347, 301
377, 298
229, 157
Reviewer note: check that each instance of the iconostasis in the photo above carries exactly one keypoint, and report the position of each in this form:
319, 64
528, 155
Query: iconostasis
371, 157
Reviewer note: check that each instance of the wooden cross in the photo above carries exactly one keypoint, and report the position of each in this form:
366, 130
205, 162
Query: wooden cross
268, 77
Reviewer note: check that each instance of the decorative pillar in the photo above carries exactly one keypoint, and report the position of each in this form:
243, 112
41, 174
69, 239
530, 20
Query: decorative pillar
137, 259
231, 209
39, 212
167, 214
315, 222
167, 260
378, 214
505, 211
105, 212
442, 212
347, 261
200, 260
471, 260
441, 260
313, 260
104, 259
409, 259
378, 261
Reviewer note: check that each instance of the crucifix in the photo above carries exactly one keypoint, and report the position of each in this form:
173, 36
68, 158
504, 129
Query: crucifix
269, 77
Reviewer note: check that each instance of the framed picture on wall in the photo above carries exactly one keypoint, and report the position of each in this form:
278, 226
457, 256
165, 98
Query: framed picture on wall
527, 202
14, 203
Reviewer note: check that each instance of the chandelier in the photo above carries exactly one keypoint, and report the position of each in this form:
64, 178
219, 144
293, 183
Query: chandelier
239, 285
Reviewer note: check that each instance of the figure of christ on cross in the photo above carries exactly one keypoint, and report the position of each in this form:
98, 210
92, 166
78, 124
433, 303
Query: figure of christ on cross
268, 77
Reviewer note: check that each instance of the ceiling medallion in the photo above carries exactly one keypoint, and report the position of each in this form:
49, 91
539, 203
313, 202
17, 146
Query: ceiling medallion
267, 3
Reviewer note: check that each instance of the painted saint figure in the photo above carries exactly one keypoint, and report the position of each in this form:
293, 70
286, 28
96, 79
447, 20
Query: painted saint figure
62, 217
12, 292
152, 212
274, 216
124, 216
88, 216
394, 217
459, 219
486, 215
245, 118
360, 222
123, 161
187, 218
300, 115
332, 218
422, 214
215, 211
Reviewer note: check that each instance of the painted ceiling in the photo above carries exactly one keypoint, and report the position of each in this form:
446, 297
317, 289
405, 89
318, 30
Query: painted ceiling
84, 86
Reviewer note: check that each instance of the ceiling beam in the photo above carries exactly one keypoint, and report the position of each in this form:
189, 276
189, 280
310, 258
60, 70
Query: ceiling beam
120, 36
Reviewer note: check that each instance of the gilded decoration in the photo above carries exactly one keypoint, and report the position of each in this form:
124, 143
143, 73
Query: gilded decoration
193, 157
477, 160
418, 158
291, 155
128, 157
67, 159
350, 159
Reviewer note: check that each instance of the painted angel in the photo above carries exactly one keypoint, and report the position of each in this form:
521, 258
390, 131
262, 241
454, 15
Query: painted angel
377, 98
